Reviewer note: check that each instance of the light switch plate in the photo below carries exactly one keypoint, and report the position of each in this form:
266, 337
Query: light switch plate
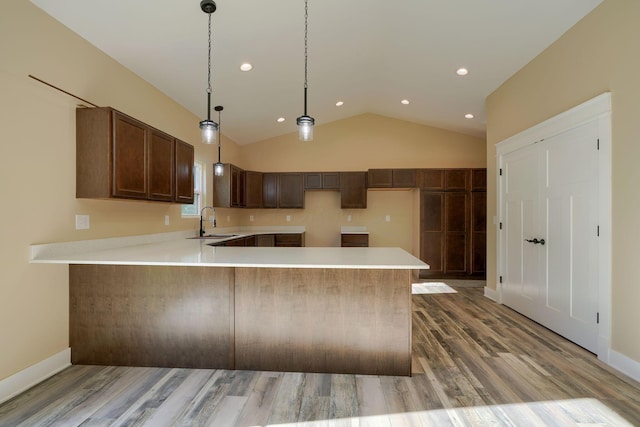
167, 220
387, 218
82, 222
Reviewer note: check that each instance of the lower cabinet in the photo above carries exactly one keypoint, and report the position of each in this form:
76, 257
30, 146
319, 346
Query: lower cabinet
359, 240
267, 240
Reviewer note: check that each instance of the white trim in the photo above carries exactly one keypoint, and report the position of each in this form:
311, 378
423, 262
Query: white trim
596, 109
576, 116
491, 294
27, 378
624, 364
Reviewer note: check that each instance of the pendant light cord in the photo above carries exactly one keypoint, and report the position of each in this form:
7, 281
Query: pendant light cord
209, 64
306, 56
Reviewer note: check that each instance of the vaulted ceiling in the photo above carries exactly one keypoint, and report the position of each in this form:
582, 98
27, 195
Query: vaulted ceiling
368, 54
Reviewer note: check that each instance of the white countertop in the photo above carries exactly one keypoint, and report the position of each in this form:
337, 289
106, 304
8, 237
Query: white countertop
181, 251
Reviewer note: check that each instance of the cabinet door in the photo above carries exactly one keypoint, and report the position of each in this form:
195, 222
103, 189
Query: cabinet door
237, 187
353, 190
330, 180
430, 179
290, 190
313, 181
253, 194
267, 240
478, 257
456, 220
289, 240
380, 178
456, 179
478, 180
130, 139
185, 158
432, 231
354, 240
161, 166
270, 190
404, 178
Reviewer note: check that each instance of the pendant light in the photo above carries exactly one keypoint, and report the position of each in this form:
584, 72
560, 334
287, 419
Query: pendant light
209, 127
218, 168
304, 122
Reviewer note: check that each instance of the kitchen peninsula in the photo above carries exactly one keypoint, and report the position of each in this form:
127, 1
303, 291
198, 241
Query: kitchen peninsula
177, 302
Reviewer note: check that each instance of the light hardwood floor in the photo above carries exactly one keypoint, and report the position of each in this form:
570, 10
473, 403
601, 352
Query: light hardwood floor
475, 363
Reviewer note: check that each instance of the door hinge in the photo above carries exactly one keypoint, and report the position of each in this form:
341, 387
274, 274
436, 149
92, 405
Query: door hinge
500, 171
598, 318
500, 226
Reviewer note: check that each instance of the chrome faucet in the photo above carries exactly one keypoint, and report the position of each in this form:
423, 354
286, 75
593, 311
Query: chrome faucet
213, 222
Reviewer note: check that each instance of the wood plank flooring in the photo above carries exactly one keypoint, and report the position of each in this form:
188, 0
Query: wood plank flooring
475, 363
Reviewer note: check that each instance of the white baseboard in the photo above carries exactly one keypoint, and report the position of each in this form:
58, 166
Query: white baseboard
624, 364
21, 381
492, 294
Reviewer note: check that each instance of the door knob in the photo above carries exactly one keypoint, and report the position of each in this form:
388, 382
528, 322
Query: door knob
535, 241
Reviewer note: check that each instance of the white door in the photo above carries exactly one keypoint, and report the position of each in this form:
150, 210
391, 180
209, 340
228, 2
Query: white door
550, 194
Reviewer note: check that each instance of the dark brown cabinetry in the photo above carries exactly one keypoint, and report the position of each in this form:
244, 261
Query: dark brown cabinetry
322, 181
229, 189
253, 189
453, 223
161, 166
349, 240
185, 157
118, 156
392, 178
267, 240
289, 240
353, 190
283, 190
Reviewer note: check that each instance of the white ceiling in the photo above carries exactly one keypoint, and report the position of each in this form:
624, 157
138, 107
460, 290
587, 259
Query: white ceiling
369, 54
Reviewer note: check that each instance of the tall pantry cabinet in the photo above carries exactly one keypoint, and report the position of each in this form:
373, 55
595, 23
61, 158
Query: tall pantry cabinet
453, 222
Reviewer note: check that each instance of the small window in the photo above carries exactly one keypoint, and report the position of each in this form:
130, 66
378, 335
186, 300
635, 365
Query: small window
199, 180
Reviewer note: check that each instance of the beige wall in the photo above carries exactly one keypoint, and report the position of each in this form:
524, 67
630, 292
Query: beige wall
37, 172
598, 54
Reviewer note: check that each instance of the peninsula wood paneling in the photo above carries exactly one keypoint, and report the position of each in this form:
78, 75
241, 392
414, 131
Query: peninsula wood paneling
323, 320
151, 316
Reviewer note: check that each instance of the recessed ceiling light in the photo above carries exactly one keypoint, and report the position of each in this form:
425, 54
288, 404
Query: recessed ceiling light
405, 101
469, 116
339, 104
245, 66
462, 71
280, 119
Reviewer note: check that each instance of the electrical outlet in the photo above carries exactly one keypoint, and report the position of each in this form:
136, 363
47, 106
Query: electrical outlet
82, 222
288, 218
387, 218
348, 218
167, 220
228, 218
251, 218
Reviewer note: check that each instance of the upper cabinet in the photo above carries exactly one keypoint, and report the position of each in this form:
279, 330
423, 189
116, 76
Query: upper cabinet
353, 190
229, 189
185, 157
392, 178
253, 189
283, 190
322, 181
118, 156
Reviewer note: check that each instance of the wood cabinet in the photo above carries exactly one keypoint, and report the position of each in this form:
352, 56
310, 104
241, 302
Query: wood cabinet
289, 240
322, 181
430, 179
354, 240
118, 156
283, 190
392, 178
229, 189
353, 190
185, 157
266, 240
453, 224
253, 189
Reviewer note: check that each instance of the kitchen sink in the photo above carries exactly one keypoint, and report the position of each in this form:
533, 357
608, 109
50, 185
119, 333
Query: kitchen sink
219, 236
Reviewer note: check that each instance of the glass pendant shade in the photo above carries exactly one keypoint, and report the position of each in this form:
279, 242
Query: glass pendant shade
209, 130
218, 169
305, 128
